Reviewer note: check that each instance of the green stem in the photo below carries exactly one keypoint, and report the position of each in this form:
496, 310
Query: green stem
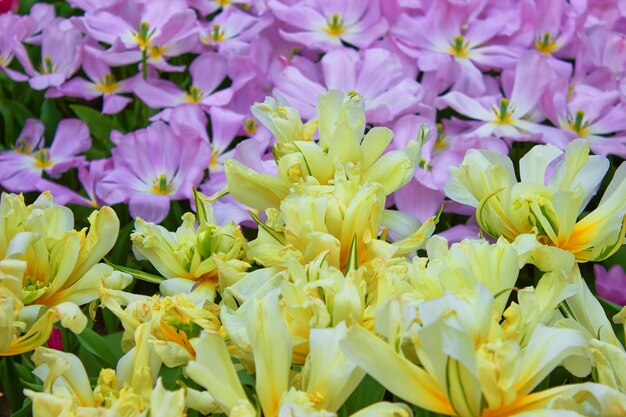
144, 63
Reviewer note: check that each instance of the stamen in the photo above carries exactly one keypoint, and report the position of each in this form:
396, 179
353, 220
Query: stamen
335, 26
161, 185
459, 47
194, 95
107, 84
545, 44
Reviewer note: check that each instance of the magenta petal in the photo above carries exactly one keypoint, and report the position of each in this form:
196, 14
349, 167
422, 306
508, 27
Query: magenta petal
611, 284
71, 138
159, 94
79, 87
340, 69
113, 104
150, 207
188, 120
418, 200
208, 71
225, 125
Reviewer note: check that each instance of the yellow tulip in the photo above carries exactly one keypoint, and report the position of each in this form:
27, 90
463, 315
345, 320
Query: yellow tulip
458, 361
50, 268
342, 145
191, 257
548, 209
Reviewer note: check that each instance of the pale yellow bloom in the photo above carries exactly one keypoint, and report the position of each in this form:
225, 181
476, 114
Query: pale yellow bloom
191, 257
341, 143
67, 391
325, 382
549, 209
48, 269
459, 362
174, 321
342, 220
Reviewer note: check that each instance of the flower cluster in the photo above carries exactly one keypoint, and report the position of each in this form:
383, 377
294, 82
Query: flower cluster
541, 71
323, 303
313, 208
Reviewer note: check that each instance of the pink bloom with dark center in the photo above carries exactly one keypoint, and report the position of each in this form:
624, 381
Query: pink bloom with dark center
23, 166
100, 83
152, 166
324, 25
61, 47
55, 341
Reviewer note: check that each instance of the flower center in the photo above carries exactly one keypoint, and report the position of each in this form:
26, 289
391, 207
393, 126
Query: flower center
143, 35
194, 95
156, 52
107, 84
503, 114
42, 161
217, 34
335, 26
440, 142
578, 124
47, 66
214, 162
545, 44
161, 185
459, 47
250, 125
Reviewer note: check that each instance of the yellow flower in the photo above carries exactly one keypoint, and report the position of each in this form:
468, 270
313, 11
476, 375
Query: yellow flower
174, 322
319, 390
342, 143
548, 209
67, 390
50, 268
191, 257
459, 362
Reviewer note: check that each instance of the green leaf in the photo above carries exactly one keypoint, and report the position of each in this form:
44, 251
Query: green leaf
119, 253
610, 304
170, 377
368, 392
25, 411
95, 344
8, 377
280, 238
353, 257
50, 117
144, 276
100, 125
114, 341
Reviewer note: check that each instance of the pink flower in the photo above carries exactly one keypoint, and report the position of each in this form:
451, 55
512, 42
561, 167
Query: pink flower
207, 71
583, 111
231, 31
324, 25
152, 166
23, 166
450, 42
61, 46
374, 74
158, 28
514, 116
55, 341
611, 284
14, 30
101, 83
